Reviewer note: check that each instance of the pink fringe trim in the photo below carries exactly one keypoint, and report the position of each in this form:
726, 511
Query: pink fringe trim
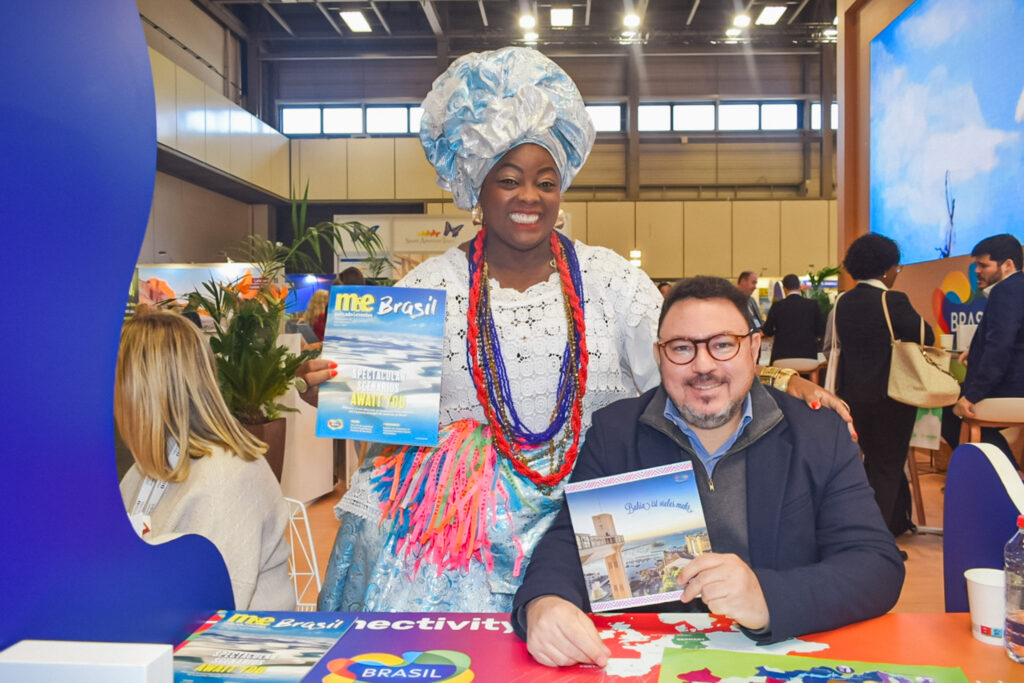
445, 499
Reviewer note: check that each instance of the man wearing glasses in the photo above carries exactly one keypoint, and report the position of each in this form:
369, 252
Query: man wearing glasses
798, 544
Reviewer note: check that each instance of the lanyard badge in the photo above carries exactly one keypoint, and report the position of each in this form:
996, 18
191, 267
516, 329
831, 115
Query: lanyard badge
150, 493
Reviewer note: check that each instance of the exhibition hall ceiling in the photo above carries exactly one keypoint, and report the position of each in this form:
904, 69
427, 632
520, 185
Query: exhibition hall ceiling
297, 29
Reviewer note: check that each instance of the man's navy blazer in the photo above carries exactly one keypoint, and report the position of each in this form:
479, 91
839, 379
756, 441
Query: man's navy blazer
995, 363
817, 542
797, 324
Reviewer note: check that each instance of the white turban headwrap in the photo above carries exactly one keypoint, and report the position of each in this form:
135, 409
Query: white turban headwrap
486, 103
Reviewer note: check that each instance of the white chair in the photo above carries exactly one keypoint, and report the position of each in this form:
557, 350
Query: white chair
805, 366
302, 565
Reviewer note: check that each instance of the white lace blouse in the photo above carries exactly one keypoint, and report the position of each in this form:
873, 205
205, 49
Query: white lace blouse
621, 307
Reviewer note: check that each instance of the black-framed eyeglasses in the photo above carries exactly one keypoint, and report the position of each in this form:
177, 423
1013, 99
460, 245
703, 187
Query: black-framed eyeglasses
682, 351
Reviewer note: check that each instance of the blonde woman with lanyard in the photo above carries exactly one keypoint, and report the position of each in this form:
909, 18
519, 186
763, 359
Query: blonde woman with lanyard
539, 333
217, 484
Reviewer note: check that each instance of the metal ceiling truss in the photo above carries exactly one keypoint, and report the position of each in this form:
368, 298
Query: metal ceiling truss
667, 25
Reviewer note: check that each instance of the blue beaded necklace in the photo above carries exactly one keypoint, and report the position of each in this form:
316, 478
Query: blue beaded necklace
491, 360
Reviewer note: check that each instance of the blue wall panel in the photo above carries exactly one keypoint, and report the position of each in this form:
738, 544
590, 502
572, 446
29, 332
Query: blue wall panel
76, 180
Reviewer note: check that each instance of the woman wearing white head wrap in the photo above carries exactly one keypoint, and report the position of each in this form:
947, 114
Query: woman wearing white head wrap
489, 102
539, 333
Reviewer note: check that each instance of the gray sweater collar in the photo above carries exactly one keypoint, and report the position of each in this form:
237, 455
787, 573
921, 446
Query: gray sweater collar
766, 415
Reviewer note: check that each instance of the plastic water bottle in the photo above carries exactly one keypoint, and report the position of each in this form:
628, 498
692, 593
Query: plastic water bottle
1013, 558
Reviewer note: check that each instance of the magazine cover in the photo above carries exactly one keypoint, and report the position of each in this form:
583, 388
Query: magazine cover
387, 344
723, 667
275, 647
635, 532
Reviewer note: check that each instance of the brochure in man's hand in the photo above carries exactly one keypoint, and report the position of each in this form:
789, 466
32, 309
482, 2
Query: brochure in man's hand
635, 532
387, 343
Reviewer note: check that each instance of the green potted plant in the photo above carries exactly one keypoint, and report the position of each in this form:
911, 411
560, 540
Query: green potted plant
248, 315
377, 264
817, 291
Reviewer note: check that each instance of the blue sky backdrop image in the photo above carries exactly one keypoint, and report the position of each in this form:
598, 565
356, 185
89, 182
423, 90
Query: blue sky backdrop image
947, 96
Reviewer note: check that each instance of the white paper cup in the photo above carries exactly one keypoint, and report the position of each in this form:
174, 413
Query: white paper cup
987, 599
964, 335
946, 341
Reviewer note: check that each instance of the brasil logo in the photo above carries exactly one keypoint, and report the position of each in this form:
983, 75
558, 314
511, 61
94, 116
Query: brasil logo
432, 665
957, 301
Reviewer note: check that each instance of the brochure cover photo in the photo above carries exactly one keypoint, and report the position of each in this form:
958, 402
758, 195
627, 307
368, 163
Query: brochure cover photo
387, 343
635, 532
273, 647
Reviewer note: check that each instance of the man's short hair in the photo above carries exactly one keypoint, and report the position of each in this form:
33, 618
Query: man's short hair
706, 287
791, 283
999, 248
744, 275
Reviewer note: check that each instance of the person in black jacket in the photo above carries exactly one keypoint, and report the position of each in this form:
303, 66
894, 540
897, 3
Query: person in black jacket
747, 283
797, 542
995, 361
884, 426
796, 324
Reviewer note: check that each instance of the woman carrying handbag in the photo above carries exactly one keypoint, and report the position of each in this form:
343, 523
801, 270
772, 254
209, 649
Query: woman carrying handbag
883, 425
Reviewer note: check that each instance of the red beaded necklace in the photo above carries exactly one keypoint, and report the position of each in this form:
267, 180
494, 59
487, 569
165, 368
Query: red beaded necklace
487, 367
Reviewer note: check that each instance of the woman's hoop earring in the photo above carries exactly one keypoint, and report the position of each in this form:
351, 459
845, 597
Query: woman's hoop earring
560, 220
478, 215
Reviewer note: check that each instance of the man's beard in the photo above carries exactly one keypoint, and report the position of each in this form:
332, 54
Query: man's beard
713, 420
986, 282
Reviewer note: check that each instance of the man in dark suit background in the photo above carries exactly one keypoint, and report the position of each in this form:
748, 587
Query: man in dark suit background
995, 360
796, 323
747, 283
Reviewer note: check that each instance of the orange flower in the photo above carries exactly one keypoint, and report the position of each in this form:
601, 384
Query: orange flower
278, 293
245, 288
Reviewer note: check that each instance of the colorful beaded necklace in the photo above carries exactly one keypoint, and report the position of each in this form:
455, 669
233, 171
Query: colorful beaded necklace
491, 379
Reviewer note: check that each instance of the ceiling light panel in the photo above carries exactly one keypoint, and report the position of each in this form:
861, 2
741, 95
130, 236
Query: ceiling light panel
561, 16
770, 15
356, 22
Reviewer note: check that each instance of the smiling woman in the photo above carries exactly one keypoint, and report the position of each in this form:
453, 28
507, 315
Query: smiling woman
519, 202
507, 131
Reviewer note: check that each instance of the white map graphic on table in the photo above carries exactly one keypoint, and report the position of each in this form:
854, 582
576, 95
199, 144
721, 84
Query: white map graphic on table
651, 647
